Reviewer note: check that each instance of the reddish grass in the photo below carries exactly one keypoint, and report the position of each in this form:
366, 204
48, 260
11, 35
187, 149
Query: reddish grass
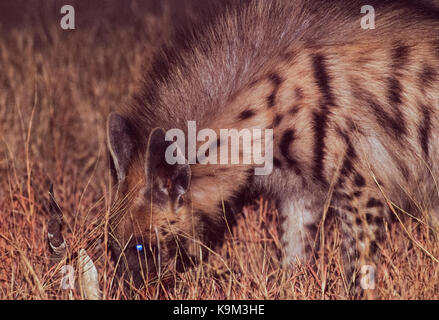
56, 89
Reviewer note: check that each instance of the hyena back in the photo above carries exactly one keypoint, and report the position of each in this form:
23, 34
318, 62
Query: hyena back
354, 114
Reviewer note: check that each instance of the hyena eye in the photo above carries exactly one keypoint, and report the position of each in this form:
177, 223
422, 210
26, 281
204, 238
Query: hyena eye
180, 202
139, 247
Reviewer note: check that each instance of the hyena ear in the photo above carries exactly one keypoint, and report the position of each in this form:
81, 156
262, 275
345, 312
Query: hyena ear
120, 143
174, 179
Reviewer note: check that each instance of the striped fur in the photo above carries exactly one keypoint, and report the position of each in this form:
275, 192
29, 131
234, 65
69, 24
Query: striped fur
350, 108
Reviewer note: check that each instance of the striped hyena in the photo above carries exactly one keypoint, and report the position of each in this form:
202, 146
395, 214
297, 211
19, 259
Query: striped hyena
354, 113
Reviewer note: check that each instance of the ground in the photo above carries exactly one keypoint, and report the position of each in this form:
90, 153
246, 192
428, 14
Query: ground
56, 90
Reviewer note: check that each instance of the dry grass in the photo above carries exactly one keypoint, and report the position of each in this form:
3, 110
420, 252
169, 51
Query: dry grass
56, 89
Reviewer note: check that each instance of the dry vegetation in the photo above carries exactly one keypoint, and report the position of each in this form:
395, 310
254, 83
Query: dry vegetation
56, 89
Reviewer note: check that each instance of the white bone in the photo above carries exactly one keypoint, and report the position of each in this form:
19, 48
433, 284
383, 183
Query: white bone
88, 279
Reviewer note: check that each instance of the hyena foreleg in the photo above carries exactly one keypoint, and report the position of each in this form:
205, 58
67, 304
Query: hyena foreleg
361, 212
300, 219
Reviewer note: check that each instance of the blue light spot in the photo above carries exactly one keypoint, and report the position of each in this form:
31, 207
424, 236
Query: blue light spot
139, 247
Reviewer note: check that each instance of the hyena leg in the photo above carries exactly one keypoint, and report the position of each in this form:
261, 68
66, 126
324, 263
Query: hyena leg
299, 227
361, 212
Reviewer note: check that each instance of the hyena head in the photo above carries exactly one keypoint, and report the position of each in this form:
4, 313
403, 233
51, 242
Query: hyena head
152, 227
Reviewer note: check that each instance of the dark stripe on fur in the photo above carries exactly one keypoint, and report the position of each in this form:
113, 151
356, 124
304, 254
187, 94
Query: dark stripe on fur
425, 130
385, 120
287, 138
294, 109
322, 77
399, 59
359, 180
246, 114
299, 93
374, 203
350, 155
277, 120
435, 45
393, 125
320, 119
277, 81
427, 77
395, 90
277, 163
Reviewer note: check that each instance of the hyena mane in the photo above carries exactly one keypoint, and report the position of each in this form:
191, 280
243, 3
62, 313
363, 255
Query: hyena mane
354, 119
